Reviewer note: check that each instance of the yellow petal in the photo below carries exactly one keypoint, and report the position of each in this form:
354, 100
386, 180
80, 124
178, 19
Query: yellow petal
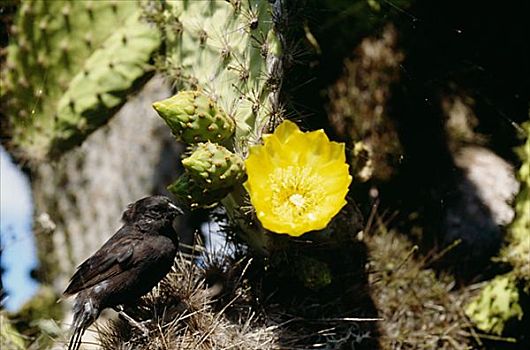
305, 166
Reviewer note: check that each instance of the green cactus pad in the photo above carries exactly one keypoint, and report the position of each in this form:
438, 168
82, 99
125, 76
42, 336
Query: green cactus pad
517, 251
194, 117
496, 304
69, 65
499, 301
228, 50
189, 192
214, 167
313, 273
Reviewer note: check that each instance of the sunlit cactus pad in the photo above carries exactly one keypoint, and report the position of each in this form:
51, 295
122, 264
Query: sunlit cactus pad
69, 65
228, 50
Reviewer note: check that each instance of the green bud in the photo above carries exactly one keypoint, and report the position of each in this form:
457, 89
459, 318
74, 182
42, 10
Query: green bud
188, 191
193, 117
214, 167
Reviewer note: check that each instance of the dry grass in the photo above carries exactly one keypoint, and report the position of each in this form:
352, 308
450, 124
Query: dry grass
388, 299
421, 308
183, 313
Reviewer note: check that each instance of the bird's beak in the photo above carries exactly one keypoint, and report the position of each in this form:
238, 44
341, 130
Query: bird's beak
176, 209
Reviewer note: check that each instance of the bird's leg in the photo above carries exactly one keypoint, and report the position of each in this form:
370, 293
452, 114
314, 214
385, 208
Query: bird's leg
132, 321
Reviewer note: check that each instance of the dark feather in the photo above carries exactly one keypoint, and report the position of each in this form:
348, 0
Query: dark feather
112, 259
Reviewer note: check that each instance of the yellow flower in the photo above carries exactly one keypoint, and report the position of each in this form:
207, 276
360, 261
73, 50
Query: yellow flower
297, 181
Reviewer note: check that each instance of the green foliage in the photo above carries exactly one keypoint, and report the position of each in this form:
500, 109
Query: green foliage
193, 117
517, 252
69, 65
36, 319
497, 303
9, 337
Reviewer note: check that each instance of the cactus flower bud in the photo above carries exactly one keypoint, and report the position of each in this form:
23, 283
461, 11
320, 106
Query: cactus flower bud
214, 167
188, 191
193, 117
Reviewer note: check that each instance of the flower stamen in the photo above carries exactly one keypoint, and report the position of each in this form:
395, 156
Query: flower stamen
297, 199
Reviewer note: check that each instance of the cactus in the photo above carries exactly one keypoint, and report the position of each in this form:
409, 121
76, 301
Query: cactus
499, 301
188, 191
214, 167
229, 50
193, 117
69, 66
9, 336
233, 53
212, 171
516, 253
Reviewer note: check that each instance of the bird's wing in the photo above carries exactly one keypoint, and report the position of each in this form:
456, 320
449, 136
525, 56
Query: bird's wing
114, 257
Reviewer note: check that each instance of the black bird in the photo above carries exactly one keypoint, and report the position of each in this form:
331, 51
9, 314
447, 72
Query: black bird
128, 265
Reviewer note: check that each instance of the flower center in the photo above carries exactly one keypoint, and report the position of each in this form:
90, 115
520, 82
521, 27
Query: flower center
295, 194
297, 199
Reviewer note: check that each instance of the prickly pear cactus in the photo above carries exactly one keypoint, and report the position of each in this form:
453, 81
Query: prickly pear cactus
518, 250
499, 301
231, 51
69, 66
194, 117
214, 167
195, 195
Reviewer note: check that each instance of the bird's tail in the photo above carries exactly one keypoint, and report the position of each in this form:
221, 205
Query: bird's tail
85, 313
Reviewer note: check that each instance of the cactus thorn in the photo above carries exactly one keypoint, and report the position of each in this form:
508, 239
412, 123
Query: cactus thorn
66, 10
26, 9
13, 29
88, 39
22, 81
203, 36
64, 46
90, 10
178, 28
43, 25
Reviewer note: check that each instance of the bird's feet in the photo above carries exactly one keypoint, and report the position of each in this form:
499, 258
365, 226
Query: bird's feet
133, 322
